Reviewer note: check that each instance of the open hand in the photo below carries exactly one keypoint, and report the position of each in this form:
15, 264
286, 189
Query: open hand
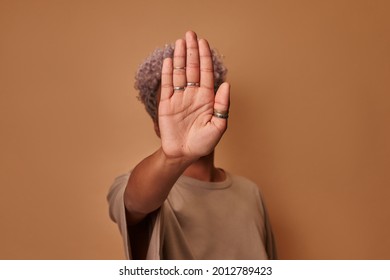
189, 126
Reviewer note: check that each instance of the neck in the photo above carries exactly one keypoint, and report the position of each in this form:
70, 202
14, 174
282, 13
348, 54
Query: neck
204, 170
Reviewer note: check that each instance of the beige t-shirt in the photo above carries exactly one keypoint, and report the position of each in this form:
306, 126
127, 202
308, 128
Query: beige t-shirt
202, 220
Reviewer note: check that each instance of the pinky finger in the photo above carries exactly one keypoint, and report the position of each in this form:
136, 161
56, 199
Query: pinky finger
166, 79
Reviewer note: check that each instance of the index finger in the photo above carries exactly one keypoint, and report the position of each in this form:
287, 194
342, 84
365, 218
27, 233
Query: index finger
206, 65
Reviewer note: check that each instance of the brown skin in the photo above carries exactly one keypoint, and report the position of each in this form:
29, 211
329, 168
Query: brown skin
188, 130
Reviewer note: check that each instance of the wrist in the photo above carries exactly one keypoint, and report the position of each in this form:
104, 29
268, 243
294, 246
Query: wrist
179, 162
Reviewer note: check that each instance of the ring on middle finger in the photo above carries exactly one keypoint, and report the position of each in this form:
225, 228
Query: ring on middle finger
192, 84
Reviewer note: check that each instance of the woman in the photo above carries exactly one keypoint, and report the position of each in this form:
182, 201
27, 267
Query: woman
175, 204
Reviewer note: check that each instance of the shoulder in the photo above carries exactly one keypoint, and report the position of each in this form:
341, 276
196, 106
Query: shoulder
246, 185
249, 193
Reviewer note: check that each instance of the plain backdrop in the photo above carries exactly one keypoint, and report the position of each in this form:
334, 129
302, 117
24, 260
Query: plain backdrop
309, 121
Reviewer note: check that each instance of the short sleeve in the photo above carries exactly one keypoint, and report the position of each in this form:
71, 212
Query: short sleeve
117, 212
117, 209
270, 244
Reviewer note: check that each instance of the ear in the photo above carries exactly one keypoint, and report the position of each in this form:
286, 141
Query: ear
157, 128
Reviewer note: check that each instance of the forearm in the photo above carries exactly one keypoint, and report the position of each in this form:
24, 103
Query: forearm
150, 183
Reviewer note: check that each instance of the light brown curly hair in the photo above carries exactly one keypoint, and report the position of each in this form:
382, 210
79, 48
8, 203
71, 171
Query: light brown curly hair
148, 76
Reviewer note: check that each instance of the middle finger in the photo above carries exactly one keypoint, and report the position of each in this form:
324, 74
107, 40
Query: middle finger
192, 59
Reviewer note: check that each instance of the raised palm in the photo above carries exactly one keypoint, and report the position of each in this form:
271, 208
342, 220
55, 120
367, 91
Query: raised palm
188, 127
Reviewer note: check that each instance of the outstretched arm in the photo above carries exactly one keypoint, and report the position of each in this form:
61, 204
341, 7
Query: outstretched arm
191, 122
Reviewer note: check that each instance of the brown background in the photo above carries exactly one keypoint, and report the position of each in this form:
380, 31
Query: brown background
309, 118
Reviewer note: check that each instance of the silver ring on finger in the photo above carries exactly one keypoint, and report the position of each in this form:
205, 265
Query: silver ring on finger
221, 114
179, 68
193, 84
179, 88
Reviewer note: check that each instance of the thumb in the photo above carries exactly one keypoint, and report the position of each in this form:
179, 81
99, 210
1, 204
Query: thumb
221, 105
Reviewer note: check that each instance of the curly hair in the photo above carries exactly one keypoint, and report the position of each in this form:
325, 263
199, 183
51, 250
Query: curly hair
148, 76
